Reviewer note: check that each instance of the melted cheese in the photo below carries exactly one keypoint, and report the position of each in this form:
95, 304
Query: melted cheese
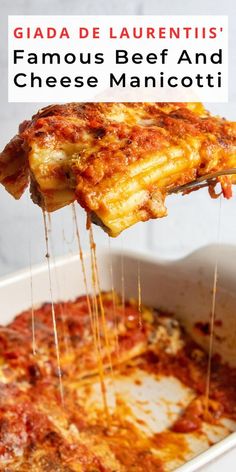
117, 160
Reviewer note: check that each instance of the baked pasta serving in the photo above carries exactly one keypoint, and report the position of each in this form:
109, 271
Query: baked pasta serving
118, 160
156, 417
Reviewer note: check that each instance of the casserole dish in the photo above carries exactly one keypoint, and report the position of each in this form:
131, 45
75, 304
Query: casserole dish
182, 287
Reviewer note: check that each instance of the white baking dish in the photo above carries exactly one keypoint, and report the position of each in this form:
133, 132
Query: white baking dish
183, 287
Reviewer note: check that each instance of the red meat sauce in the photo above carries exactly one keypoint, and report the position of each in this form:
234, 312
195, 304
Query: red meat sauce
25, 424
74, 331
190, 367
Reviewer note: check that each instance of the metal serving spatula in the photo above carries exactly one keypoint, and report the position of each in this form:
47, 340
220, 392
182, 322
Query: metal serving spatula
204, 181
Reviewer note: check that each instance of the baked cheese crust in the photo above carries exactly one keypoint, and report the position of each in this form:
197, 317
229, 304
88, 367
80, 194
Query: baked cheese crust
118, 160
